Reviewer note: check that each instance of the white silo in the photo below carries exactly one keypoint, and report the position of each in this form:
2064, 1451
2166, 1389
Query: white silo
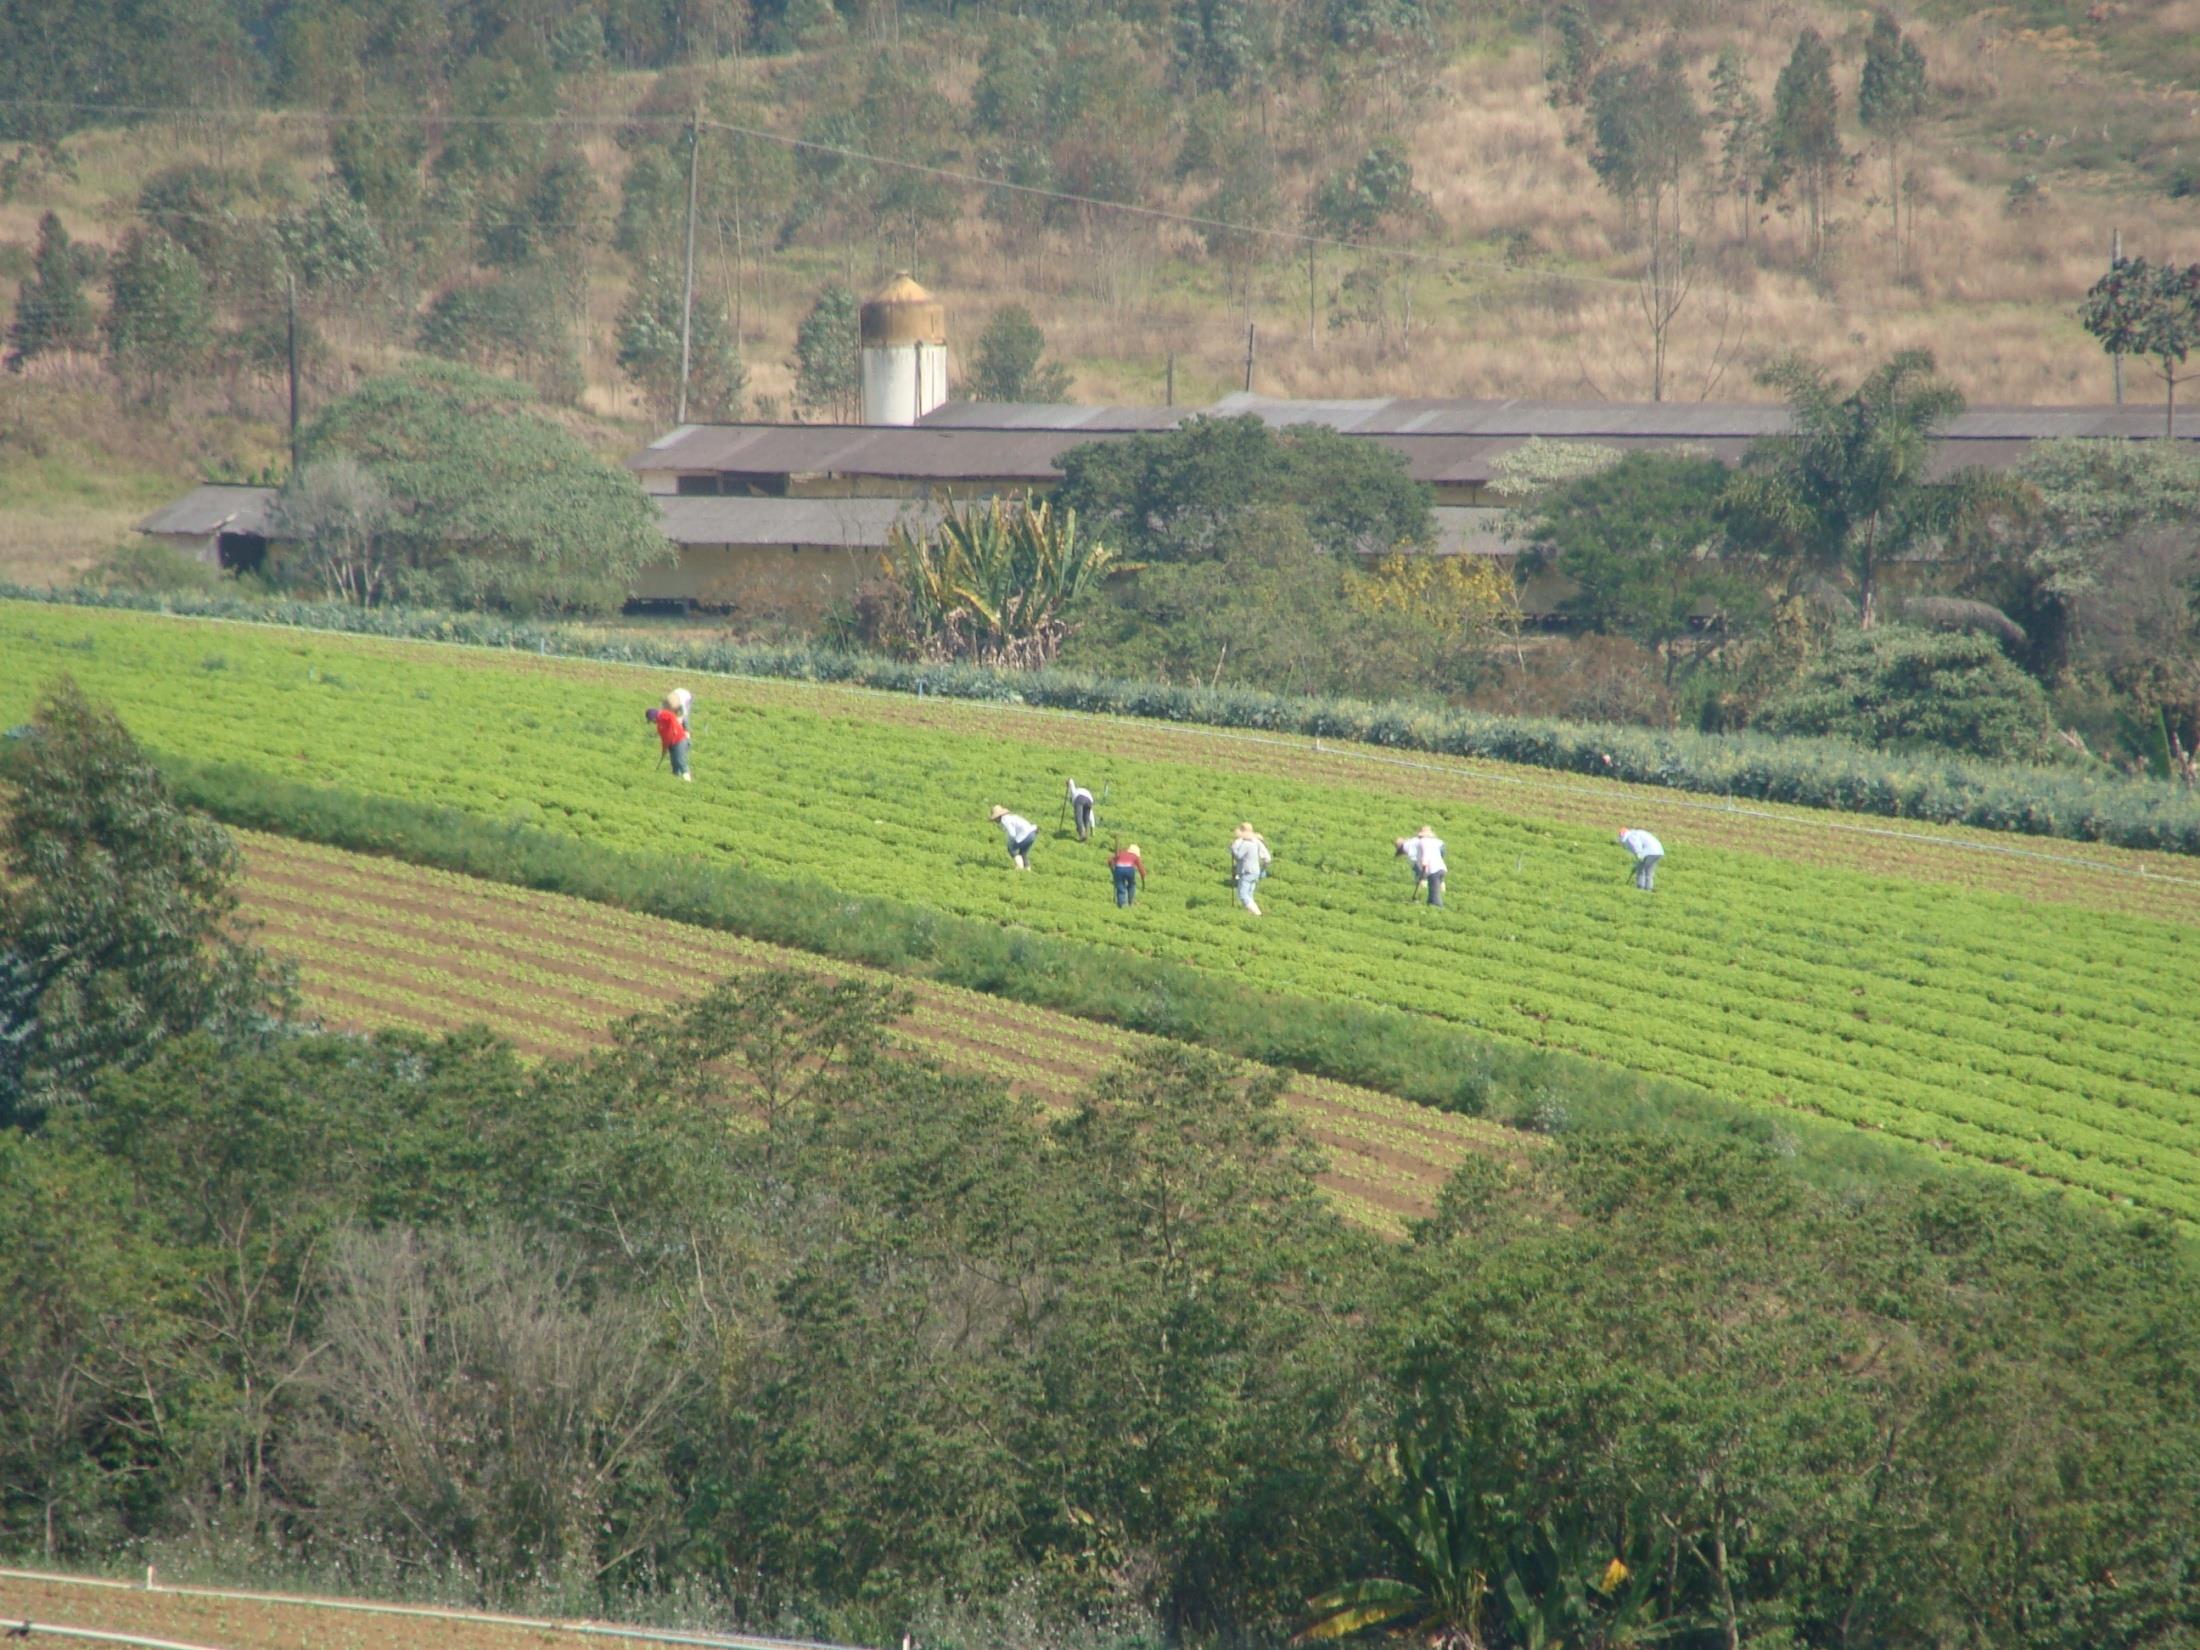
904, 331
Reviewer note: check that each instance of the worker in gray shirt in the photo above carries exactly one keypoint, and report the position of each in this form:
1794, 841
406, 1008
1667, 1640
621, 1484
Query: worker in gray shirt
1648, 850
1424, 851
1249, 857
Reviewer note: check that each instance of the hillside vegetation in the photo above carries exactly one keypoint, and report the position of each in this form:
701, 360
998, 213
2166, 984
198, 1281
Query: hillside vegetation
507, 189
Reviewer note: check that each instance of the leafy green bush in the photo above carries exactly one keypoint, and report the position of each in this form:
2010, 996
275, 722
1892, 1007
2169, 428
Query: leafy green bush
1897, 686
2091, 805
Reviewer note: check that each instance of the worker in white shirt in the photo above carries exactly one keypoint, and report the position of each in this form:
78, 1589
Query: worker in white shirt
1424, 851
1648, 850
1080, 807
1249, 857
1021, 834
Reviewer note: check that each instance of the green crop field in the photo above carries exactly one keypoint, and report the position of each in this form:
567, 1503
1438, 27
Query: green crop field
1984, 998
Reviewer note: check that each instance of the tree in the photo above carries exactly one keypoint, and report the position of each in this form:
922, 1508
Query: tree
1572, 68
159, 323
333, 244
514, 322
995, 583
1640, 541
118, 912
494, 505
2094, 498
1170, 496
1890, 101
51, 311
648, 334
2139, 308
1804, 142
827, 375
334, 515
1846, 490
1739, 117
1899, 687
1648, 134
1007, 364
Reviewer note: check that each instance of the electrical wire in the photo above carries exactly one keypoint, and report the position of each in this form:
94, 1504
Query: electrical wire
1296, 238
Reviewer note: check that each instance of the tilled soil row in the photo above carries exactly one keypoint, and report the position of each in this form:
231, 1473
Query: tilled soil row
384, 944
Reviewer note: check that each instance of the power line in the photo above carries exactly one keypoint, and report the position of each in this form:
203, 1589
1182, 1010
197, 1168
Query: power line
1297, 239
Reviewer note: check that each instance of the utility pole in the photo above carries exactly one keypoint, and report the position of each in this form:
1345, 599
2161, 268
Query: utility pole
290, 283
1171, 379
1248, 358
1309, 292
687, 285
2116, 256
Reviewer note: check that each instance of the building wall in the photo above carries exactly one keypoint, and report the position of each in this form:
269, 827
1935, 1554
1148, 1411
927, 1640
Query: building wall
797, 581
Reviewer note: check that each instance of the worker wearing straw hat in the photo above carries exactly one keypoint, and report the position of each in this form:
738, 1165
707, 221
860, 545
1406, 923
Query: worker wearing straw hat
1128, 870
1249, 857
1021, 834
1424, 851
670, 721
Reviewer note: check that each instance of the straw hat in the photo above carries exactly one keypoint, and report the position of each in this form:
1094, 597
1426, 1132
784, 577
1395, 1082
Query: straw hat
1246, 829
1424, 831
1132, 849
998, 812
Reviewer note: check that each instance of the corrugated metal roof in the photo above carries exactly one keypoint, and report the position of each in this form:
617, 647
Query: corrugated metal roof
214, 507
1013, 415
859, 450
860, 523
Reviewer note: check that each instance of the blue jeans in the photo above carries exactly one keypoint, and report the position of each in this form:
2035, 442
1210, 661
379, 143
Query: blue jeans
680, 758
1126, 883
1082, 808
1022, 850
1646, 871
1245, 886
1435, 881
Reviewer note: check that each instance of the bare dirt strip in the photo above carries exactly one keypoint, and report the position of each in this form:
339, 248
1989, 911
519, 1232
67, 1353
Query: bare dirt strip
382, 944
268, 1624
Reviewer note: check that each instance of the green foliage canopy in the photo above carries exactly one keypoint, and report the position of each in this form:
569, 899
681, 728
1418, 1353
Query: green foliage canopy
1170, 496
51, 310
496, 506
1900, 687
116, 914
1008, 363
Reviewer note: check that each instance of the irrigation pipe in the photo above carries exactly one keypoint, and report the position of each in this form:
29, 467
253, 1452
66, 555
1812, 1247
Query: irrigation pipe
19, 1627
540, 1624
1678, 798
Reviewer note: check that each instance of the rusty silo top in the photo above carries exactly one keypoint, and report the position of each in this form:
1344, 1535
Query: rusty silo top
902, 312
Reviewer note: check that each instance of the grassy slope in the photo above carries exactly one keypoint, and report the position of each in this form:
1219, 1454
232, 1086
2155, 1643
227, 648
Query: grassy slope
2023, 1023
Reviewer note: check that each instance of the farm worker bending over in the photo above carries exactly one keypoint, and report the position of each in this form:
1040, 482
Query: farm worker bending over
671, 725
1021, 834
1249, 857
1648, 850
1080, 807
1424, 851
1129, 871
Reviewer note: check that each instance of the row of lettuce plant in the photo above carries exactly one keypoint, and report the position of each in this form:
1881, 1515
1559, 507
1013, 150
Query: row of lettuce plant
2080, 804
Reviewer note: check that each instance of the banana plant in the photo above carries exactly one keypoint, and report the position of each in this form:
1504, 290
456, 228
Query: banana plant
994, 582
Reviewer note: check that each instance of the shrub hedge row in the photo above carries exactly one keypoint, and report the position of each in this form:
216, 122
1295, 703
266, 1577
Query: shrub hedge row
2087, 805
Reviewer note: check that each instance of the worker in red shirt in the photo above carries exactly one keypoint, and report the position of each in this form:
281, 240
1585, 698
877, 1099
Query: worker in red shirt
1129, 872
670, 722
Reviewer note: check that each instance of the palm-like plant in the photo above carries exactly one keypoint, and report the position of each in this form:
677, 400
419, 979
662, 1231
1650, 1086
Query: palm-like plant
993, 583
1847, 488
1474, 1575
1442, 1533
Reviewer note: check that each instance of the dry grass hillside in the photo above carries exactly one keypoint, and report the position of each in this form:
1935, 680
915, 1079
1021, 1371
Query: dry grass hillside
2049, 131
